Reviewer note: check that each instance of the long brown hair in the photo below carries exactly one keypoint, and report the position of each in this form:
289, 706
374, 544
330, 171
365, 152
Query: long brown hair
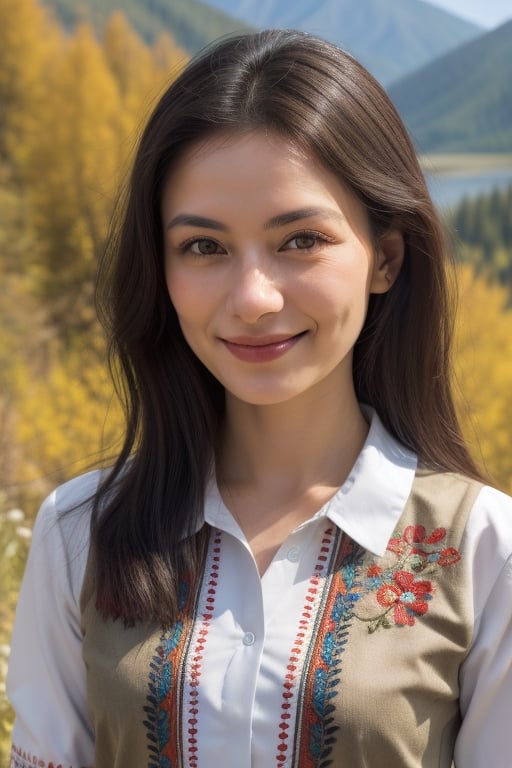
148, 510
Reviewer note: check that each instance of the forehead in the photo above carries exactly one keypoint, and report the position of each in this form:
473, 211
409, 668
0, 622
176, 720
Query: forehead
242, 144
259, 167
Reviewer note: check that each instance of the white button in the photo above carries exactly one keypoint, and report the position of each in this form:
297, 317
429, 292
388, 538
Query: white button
293, 554
249, 638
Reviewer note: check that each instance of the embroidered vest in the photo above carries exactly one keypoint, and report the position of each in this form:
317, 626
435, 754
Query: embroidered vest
379, 683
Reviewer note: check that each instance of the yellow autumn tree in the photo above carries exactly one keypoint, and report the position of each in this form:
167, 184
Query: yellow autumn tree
54, 387
131, 63
168, 57
140, 70
28, 41
483, 363
71, 175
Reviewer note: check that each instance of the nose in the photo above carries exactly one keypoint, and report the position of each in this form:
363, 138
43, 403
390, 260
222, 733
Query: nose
254, 292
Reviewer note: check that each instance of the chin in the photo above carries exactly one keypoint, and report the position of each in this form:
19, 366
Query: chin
264, 396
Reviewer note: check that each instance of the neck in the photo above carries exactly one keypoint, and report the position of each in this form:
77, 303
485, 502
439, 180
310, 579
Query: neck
290, 447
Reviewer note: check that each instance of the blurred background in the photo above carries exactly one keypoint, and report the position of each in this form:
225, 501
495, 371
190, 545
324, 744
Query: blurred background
77, 79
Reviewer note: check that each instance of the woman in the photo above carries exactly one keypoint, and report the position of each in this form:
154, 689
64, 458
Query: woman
294, 561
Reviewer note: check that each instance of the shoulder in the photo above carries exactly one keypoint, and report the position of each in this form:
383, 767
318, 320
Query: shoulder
485, 512
76, 493
490, 522
66, 512
62, 529
488, 547
71, 500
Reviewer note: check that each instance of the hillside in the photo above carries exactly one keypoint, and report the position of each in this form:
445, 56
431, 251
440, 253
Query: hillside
191, 23
463, 101
391, 37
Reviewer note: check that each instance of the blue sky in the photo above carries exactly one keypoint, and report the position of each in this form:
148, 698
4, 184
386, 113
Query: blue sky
487, 13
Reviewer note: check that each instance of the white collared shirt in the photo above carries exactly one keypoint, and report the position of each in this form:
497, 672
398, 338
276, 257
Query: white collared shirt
255, 622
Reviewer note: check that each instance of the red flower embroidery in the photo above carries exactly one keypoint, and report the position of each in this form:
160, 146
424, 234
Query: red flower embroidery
409, 597
394, 586
414, 534
418, 558
448, 556
398, 546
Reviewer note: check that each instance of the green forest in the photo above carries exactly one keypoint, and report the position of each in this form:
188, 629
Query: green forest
72, 102
484, 226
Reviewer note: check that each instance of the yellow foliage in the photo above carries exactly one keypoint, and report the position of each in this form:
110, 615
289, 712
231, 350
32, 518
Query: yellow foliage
73, 162
168, 57
71, 109
66, 421
92, 99
140, 71
28, 40
132, 65
71, 174
483, 363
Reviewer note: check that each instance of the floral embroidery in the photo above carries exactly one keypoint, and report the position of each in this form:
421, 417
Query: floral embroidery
392, 584
407, 597
389, 591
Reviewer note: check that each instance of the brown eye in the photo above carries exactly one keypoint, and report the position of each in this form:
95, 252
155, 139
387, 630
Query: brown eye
204, 246
304, 241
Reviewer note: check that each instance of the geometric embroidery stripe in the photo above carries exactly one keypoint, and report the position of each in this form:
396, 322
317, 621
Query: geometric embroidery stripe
301, 642
163, 712
194, 663
292, 706
316, 729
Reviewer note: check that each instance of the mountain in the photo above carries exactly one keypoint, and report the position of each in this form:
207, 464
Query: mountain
463, 101
390, 37
191, 23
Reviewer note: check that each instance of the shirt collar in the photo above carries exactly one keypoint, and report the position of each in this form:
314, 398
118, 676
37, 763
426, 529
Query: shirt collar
372, 499
217, 514
368, 504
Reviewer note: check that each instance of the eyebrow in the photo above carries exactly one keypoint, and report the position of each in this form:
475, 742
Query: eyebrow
281, 220
303, 213
191, 220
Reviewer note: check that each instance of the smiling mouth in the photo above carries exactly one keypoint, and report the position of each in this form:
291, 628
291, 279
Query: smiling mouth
261, 349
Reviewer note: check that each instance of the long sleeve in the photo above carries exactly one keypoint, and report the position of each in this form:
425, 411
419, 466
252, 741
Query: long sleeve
46, 681
486, 675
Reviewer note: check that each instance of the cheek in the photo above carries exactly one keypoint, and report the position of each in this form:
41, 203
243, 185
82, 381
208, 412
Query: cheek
339, 290
184, 292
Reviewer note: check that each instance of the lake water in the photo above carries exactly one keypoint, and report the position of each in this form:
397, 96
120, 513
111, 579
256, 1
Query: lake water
448, 189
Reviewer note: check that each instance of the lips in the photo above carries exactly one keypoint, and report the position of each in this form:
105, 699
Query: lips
259, 349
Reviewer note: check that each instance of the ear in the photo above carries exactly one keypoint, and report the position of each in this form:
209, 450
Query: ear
389, 257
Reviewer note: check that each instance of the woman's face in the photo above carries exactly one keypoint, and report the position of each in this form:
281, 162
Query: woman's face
269, 264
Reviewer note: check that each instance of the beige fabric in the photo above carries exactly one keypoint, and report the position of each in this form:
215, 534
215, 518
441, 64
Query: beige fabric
398, 693
396, 703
